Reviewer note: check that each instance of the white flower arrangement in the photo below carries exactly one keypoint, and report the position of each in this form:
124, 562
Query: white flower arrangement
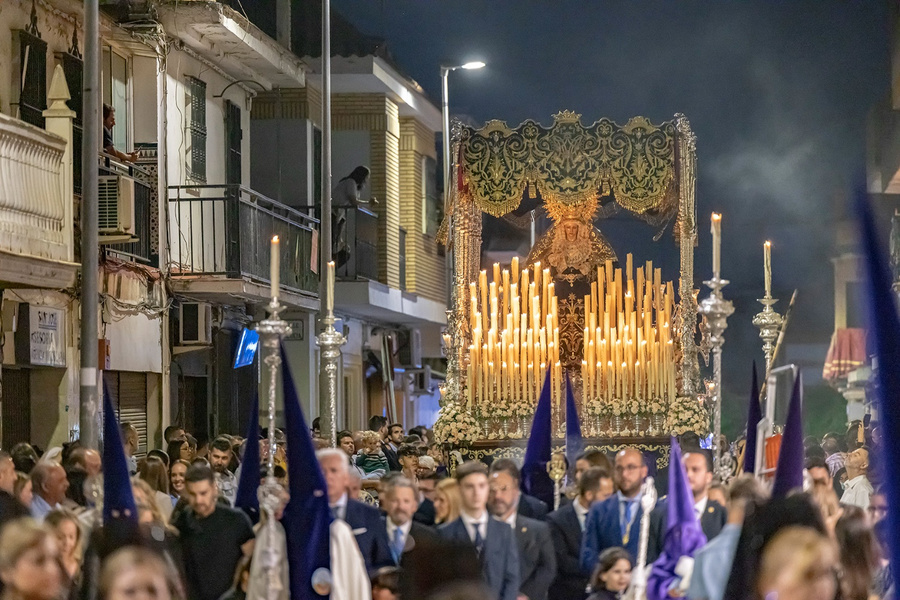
522, 408
500, 409
688, 414
656, 406
455, 425
596, 407
623, 407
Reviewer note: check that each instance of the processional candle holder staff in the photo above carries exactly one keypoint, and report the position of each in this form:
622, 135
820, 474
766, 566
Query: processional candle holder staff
556, 468
768, 321
271, 331
716, 310
638, 588
330, 341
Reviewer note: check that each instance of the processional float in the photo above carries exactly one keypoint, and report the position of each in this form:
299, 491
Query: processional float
574, 304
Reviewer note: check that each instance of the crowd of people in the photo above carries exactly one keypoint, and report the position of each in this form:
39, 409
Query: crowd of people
424, 532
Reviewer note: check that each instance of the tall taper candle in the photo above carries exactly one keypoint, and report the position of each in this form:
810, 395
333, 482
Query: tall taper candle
717, 244
330, 287
767, 266
275, 266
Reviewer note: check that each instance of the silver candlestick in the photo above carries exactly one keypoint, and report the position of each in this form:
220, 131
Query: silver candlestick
330, 341
271, 494
716, 310
637, 590
769, 324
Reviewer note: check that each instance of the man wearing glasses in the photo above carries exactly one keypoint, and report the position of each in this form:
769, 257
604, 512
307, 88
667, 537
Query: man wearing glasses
616, 520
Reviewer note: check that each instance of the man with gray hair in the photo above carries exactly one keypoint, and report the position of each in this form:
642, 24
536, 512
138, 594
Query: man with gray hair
400, 500
49, 485
364, 520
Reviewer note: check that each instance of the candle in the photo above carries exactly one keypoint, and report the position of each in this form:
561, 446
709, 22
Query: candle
330, 287
717, 244
767, 267
275, 266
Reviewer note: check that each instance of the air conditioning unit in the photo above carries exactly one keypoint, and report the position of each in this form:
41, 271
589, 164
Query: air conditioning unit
421, 382
195, 324
115, 200
409, 348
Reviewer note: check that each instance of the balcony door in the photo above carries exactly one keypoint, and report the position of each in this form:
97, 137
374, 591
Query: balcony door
233, 136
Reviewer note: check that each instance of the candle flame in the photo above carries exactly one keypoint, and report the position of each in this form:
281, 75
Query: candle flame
768, 244
274, 239
716, 217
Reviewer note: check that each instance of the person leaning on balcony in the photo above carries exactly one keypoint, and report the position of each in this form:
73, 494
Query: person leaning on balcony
346, 192
345, 196
109, 121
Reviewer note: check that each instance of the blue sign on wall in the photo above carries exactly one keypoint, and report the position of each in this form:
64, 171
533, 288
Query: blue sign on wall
246, 349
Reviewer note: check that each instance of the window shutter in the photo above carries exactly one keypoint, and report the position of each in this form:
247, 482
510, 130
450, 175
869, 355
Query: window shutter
32, 72
198, 129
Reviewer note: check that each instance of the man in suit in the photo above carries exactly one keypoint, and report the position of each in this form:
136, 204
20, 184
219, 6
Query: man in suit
528, 506
712, 515
616, 520
399, 500
425, 512
378, 424
493, 540
595, 484
365, 521
537, 561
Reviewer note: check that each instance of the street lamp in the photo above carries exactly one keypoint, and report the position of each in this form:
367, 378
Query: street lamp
445, 113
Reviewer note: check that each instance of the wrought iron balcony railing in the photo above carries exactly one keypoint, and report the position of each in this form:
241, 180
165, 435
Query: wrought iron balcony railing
226, 230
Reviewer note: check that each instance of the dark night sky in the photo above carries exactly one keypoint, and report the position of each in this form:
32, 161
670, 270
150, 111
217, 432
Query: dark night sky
777, 93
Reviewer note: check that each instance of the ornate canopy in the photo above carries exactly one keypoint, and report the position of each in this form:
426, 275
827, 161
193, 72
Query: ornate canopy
569, 163
646, 169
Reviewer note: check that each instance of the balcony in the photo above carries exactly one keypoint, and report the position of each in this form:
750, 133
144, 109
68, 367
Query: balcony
220, 238
360, 233
36, 211
133, 211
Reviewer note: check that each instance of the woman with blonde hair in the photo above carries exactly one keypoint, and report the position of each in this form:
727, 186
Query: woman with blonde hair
68, 532
446, 501
798, 563
30, 562
138, 572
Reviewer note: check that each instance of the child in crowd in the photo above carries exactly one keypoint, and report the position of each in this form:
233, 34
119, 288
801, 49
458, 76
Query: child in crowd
370, 458
612, 575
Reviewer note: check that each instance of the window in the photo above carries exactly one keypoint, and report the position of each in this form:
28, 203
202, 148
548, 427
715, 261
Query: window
197, 129
32, 70
432, 212
114, 79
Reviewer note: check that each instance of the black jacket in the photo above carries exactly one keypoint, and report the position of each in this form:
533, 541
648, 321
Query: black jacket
537, 560
712, 521
565, 530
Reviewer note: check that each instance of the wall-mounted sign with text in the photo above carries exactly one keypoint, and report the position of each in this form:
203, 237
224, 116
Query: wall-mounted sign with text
41, 336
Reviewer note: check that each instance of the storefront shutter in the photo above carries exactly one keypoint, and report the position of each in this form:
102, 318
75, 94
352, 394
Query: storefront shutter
129, 395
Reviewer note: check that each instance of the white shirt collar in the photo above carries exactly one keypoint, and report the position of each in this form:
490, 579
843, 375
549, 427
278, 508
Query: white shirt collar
855, 481
341, 502
511, 521
700, 505
391, 526
580, 512
470, 520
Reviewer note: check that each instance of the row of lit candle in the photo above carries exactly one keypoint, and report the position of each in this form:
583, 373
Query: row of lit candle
628, 344
515, 335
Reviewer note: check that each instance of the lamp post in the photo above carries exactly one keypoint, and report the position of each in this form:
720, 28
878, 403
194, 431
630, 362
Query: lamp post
445, 114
